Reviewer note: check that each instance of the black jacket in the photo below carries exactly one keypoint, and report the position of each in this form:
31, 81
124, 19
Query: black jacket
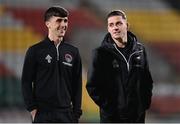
120, 83
52, 78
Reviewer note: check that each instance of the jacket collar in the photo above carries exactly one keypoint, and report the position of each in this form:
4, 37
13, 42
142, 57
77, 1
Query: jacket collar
48, 41
108, 41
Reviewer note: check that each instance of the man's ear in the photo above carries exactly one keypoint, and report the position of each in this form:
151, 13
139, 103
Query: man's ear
128, 26
47, 24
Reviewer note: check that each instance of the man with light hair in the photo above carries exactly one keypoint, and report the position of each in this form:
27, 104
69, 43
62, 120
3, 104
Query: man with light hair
119, 80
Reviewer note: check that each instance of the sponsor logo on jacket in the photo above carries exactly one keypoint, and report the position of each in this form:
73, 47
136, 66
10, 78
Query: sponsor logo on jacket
48, 58
115, 63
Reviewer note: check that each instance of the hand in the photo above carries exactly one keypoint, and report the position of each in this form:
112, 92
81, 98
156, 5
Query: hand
33, 113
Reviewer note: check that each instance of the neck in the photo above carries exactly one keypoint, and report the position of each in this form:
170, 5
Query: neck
55, 39
121, 43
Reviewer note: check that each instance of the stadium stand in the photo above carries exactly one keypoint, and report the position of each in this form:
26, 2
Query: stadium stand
154, 22
153, 5
14, 36
14, 39
1, 10
174, 3
170, 51
41, 3
78, 17
9, 88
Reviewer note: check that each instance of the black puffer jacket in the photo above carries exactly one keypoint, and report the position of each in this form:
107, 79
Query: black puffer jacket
118, 82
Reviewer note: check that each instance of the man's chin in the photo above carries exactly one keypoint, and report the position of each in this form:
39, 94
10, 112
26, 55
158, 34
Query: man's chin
61, 35
118, 37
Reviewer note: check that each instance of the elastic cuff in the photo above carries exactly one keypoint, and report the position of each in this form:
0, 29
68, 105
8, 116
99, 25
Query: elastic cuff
77, 113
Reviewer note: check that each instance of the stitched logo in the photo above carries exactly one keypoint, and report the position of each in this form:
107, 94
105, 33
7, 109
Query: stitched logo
48, 58
115, 63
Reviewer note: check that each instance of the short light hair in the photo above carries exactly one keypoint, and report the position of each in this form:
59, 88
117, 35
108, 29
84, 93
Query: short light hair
117, 13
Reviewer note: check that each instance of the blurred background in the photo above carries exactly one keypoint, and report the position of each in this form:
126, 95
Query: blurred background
155, 22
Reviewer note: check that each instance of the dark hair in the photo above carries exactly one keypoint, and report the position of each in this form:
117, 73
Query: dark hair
117, 13
55, 11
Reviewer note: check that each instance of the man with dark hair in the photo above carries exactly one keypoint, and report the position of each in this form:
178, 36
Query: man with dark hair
119, 80
52, 74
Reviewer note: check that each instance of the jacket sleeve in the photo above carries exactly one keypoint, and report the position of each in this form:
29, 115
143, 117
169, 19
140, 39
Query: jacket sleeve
147, 84
95, 78
77, 87
27, 80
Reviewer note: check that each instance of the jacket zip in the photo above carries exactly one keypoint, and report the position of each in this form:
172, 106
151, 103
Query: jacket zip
127, 61
57, 50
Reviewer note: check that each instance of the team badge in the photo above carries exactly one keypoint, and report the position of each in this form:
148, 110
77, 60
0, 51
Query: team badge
48, 58
68, 58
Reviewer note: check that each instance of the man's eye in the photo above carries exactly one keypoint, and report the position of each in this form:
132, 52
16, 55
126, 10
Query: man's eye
65, 20
110, 25
59, 20
119, 23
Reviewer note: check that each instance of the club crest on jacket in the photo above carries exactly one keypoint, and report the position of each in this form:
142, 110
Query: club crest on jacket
68, 58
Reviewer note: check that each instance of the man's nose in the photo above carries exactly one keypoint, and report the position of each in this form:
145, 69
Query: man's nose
115, 27
63, 23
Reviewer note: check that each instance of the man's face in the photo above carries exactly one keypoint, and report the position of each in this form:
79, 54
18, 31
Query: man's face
57, 26
117, 27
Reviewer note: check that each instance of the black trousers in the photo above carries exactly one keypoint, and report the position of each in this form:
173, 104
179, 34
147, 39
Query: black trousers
54, 116
118, 118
